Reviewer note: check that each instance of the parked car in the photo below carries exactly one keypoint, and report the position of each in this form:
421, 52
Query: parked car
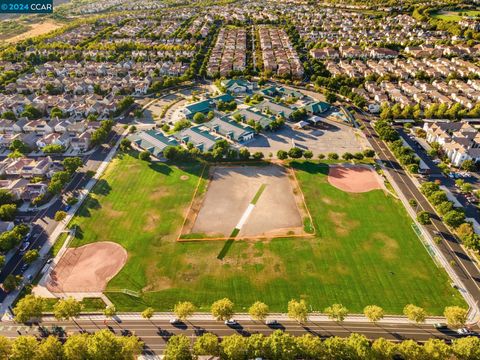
464, 331
24, 246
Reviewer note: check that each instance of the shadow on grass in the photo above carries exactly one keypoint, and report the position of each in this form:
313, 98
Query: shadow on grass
225, 249
310, 167
90, 203
102, 187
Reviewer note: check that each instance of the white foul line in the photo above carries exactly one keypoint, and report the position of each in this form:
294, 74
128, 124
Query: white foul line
245, 216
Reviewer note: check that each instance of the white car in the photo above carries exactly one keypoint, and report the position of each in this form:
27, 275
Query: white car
271, 322
175, 321
231, 322
464, 331
25, 246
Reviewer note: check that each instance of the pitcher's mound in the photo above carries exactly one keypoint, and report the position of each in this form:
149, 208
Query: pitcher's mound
354, 178
87, 268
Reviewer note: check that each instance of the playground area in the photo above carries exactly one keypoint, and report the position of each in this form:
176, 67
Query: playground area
87, 268
245, 202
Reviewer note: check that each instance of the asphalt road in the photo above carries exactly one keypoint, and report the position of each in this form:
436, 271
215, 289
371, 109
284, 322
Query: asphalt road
471, 210
464, 266
43, 223
155, 333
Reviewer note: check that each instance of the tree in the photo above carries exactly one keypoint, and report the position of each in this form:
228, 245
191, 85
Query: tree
337, 312
178, 348
258, 311
258, 155
414, 313
126, 144
437, 349
110, 311
347, 156
298, 310
53, 149
295, 153
50, 349
411, 350
373, 313
383, 349
11, 282
468, 165
222, 309
207, 344
30, 256
8, 212
280, 345
309, 347
68, 308
72, 164
282, 155
60, 215
467, 348
29, 307
2, 263
105, 345
423, 217
244, 154
307, 154
454, 218
148, 313
455, 315
234, 347
76, 347
20, 146
24, 347
184, 309
332, 156
199, 118
5, 347
144, 155
6, 197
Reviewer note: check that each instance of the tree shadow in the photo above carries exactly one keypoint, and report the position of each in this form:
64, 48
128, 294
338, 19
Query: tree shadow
310, 167
102, 187
90, 203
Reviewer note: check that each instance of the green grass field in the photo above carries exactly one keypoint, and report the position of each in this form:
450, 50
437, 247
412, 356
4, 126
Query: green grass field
454, 15
365, 253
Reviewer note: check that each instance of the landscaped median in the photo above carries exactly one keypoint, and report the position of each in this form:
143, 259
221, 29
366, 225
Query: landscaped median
364, 251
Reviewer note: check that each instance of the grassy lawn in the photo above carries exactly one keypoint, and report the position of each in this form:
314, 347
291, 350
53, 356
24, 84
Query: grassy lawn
365, 253
59, 243
454, 15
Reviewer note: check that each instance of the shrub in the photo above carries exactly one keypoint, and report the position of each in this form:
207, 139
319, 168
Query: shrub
282, 154
295, 153
144, 155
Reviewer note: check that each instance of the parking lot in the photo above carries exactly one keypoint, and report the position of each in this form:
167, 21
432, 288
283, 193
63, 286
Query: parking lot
329, 137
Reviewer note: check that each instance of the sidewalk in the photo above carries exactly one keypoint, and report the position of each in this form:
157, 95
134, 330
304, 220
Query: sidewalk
37, 266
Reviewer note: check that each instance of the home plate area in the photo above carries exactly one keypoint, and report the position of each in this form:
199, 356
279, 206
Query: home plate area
247, 202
